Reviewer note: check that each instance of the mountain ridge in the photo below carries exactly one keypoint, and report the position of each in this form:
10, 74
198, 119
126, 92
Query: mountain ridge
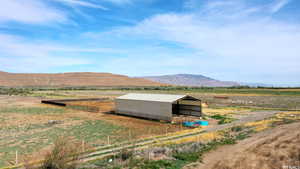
71, 79
190, 80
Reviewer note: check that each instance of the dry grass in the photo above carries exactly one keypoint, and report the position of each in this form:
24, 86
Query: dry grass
63, 155
269, 149
279, 117
95, 106
260, 125
224, 111
30, 132
205, 137
274, 151
292, 115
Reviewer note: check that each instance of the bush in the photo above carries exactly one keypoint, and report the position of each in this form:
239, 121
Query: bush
226, 120
237, 128
157, 164
223, 119
63, 155
126, 154
187, 156
218, 117
15, 91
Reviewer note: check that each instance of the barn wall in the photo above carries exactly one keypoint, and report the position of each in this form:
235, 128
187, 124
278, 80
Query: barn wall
190, 110
146, 109
189, 107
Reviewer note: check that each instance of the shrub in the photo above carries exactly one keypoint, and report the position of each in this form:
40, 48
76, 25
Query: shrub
63, 155
157, 164
15, 91
187, 156
237, 128
218, 117
125, 154
226, 120
223, 119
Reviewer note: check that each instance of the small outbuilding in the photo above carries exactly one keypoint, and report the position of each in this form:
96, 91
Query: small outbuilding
158, 106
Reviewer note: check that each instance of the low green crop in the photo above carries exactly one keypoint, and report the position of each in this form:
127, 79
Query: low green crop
223, 119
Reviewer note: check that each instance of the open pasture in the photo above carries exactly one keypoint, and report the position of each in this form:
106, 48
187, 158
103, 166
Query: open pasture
29, 127
279, 99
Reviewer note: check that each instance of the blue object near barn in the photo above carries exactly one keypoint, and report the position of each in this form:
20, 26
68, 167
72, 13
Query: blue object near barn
188, 124
195, 124
202, 123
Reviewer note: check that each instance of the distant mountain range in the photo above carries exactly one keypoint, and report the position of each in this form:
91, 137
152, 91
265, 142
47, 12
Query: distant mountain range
191, 80
71, 79
78, 79
258, 84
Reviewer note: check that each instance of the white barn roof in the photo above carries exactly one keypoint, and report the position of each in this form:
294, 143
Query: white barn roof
152, 97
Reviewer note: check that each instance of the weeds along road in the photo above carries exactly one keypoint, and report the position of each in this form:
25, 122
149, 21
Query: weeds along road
143, 144
109, 150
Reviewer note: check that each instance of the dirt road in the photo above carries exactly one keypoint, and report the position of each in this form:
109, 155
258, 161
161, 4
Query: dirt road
254, 116
274, 148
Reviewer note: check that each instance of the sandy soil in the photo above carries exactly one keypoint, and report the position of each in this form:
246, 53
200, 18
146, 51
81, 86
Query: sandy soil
274, 148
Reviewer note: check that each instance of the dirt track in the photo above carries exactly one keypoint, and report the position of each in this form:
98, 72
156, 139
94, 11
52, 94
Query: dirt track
273, 148
254, 116
142, 144
139, 127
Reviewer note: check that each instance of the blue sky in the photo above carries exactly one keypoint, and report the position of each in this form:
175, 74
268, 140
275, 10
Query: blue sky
237, 40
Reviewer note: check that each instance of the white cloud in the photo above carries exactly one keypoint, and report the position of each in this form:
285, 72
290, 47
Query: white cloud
119, 2
217, 4
242, 46
82, 4
29, 11
259, 39
278, 4
18, 54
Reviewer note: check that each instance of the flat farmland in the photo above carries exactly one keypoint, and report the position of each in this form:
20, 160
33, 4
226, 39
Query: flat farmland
285, 99
29, 127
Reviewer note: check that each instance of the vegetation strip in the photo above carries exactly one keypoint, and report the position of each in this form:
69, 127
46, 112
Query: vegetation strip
105, 151
142, 143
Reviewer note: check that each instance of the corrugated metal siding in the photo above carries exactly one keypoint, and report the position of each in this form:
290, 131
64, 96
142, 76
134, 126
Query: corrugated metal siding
156, 106
147, 109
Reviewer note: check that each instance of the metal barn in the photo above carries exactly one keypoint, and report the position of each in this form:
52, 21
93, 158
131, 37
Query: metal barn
158, 106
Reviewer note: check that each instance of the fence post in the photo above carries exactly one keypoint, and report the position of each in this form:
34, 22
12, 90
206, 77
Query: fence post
108, 142
149, 148
166, 130
181, 126
130, 137
17, 160
83, 146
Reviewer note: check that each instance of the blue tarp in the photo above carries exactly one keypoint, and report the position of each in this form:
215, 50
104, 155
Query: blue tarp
195, 124
202, 123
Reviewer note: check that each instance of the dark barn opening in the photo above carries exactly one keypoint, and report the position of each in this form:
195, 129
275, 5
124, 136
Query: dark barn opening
187, 106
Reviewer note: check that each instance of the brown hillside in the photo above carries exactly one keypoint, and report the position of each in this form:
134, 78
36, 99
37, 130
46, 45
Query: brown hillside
71, 79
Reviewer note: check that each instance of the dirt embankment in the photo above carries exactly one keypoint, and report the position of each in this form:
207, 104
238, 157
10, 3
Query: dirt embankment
71, 79
272, 149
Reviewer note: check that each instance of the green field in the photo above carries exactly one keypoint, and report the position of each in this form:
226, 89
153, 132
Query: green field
26, 124
215, 90
34, 134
